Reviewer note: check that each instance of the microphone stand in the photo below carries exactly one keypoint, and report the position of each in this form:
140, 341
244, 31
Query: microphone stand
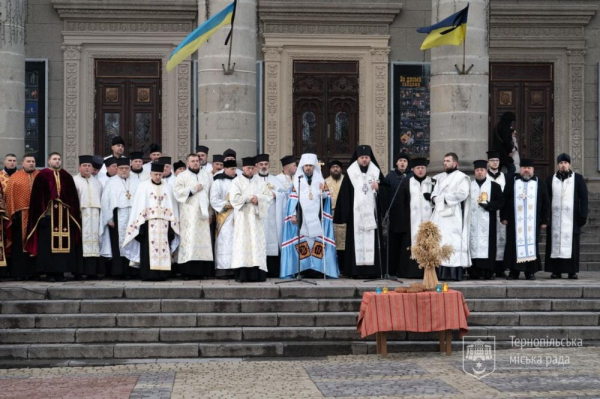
386, 221
298, 278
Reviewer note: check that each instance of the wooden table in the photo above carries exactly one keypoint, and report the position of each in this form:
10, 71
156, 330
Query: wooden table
418, 312
445, 342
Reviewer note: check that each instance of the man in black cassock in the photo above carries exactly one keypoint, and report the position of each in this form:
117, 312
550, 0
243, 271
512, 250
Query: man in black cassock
395, 178
569, 199
486, 200
525, 213
412, 208
361, 204
497, 176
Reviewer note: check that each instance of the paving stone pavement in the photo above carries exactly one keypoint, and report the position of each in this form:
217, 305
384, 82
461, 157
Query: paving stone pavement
406, 375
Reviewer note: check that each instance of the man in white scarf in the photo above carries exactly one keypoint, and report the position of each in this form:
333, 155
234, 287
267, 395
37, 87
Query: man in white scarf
361, 203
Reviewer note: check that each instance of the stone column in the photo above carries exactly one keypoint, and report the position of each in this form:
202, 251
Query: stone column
459, 103
227, 103
12, 77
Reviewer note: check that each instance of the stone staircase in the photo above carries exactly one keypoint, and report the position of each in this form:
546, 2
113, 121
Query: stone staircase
132, 321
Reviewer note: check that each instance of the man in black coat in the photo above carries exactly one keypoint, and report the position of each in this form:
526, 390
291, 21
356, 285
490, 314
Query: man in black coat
569, 199
525, 213
361, 204
395, 178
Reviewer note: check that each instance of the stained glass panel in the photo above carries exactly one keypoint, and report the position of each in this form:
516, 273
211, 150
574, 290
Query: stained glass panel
112, 125
143, 130
536, 149
342, 132
309, 132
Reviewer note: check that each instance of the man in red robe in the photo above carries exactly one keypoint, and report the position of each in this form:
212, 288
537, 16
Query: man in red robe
3, 223
54, 226
18, 192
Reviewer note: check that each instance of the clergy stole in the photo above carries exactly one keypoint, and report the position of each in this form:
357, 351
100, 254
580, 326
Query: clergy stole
500, 228
364, 208
420, 208
90, 193
222, 217
480, 220
339, 230
525, 201
563, 202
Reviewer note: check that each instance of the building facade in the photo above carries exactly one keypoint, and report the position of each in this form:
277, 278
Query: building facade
318, 76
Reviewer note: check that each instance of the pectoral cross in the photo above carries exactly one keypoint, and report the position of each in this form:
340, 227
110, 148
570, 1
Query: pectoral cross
321, 164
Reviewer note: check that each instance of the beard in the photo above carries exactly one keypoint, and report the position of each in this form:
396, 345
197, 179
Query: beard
194, 170
526, 177
336, 175
448, 169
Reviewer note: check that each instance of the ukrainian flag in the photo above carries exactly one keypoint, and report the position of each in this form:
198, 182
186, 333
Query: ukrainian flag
449, 32
200, 35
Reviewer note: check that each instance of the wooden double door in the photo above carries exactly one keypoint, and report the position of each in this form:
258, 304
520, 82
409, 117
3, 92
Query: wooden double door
326, 110
527, 90
128, 103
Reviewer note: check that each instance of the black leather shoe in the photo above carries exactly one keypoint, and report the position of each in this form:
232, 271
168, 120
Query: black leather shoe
554, 275
532, 277
573, 277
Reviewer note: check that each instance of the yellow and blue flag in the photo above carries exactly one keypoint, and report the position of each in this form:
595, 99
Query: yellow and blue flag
201, 34
448, 32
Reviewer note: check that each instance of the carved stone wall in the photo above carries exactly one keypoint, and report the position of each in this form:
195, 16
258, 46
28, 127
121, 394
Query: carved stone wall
326, 31
524, 32
137, 29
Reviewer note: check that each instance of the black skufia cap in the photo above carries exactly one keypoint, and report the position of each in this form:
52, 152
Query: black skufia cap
202, 148
288, 159
86, 159
248, 161
261, 158
110, 161
136, 155
480, 163
158, 167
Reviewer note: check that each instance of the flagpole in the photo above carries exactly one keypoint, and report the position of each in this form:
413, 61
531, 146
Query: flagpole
230, 69
463, 71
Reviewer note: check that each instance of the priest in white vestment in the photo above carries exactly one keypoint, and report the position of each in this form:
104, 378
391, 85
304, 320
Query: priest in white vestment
251, 200
154, 152
569, 199
137, 167
110, 165
274, 222
309, 209
192, 188
89, 190
219, 201
117, 199
168, 175
451, 198
117, 149
526, 212
154, 224
412, 208
202, 152
361, 204
217, 164
289, 165
497, 176
230, 155
486, 201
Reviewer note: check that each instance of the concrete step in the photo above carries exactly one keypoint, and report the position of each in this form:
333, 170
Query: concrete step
142, 320
90, 299
533, 305
228, 335
534, 319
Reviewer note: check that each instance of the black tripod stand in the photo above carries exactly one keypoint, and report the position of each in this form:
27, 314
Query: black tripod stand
298, 278
386, 222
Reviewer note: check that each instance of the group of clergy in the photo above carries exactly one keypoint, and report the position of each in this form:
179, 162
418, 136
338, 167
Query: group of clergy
493, 223
121, 218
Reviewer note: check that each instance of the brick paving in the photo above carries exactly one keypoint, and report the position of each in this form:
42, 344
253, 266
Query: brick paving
406, 375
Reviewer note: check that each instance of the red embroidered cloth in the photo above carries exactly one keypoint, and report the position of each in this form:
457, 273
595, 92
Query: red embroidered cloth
418, 312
